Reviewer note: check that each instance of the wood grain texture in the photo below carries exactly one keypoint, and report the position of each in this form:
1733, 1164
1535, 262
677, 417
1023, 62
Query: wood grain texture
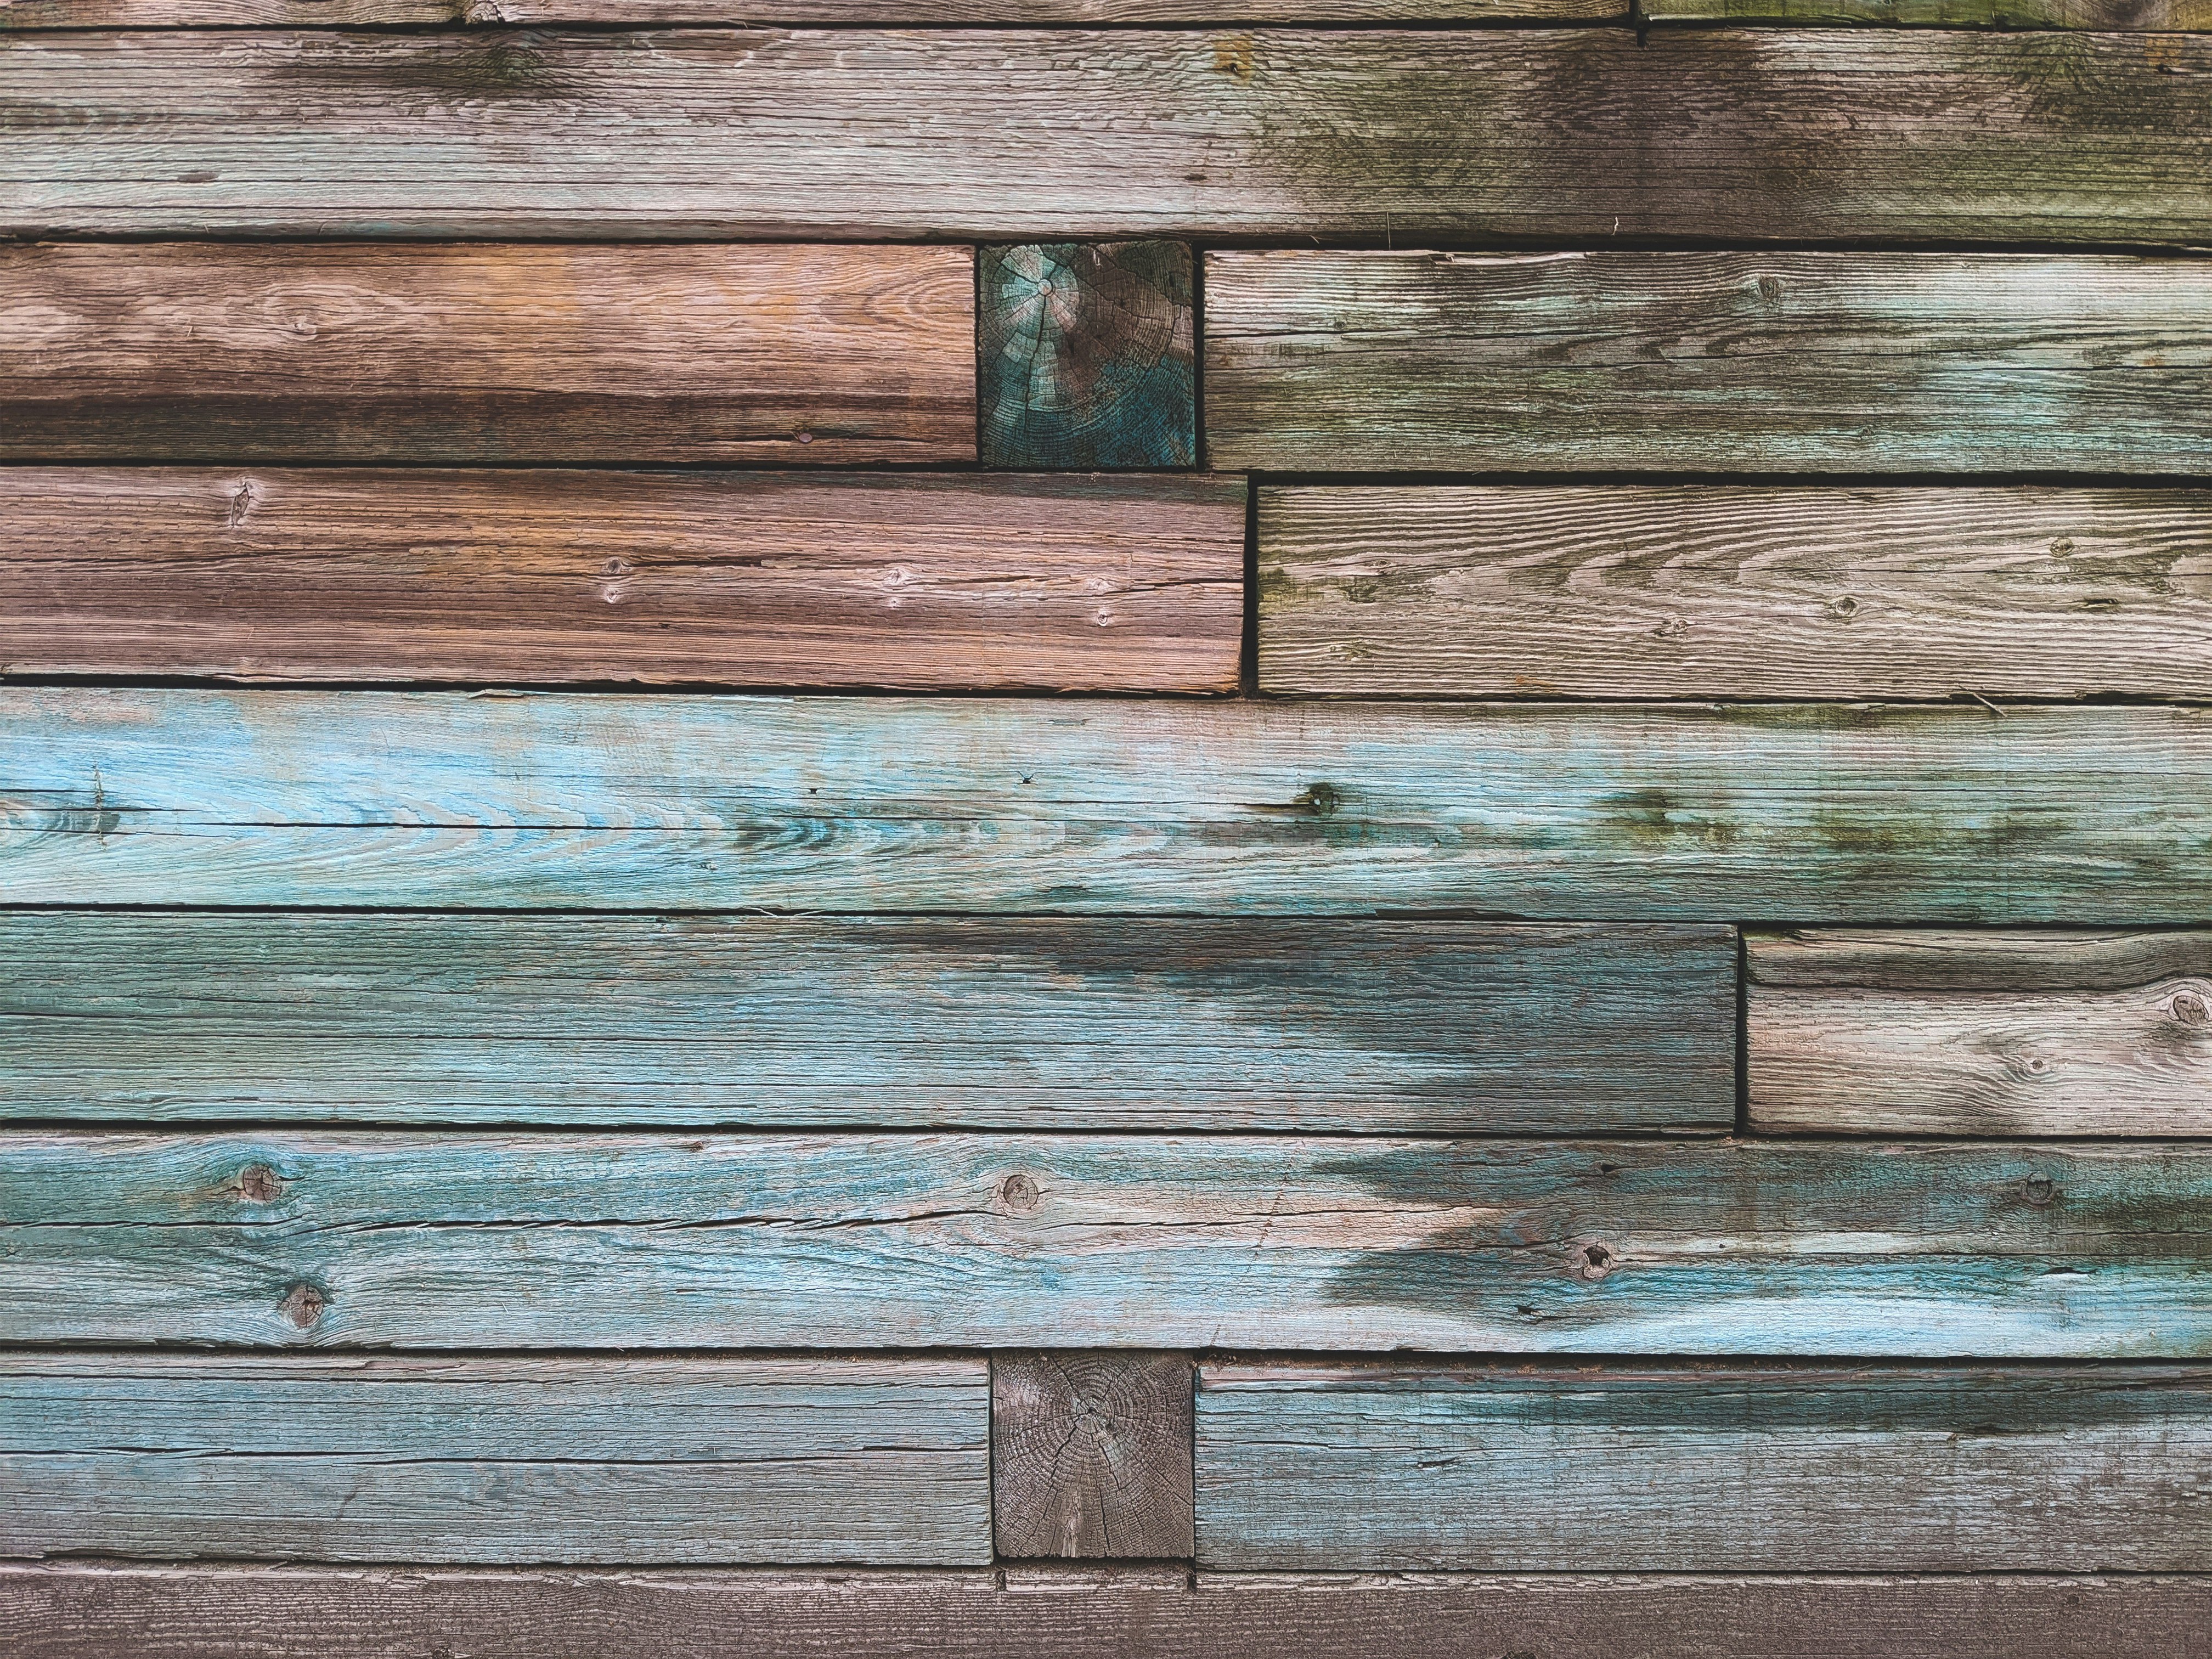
1084, 355
329, 14
496, 1461
2151, 15
765, 578
1013, 1024
243, 352
1707, 363
1091, 1454
1704, 1469
1383, 137
1822, 814
1669, 591
1980, 1034
2010, 1250
86, 1611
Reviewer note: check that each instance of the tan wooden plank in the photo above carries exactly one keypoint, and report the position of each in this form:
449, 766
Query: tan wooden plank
1736, 362
1624, 591
305, 352
1980, 1034
91, 1610
334, 14
1091, 1454
2151, 15
1386, 137
736, 579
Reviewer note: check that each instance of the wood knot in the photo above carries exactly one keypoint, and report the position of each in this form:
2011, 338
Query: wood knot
259, 1184
2038, 1190
2190, 1008
303, 1305
1019, 1193
1591, 1262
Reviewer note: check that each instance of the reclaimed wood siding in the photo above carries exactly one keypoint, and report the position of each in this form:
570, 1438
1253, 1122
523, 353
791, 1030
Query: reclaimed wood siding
1015, 1024
1386, 137
2009, 1249
918, 580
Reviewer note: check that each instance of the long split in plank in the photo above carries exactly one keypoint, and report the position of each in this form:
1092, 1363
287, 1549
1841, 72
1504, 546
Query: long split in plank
1026, 1023
1704, 1468
1740, 361
2011, 1250
1624, 592
231, 352
88, 1611
935, 582
498, 1461
1381, 136
1980, 1034
1838, 814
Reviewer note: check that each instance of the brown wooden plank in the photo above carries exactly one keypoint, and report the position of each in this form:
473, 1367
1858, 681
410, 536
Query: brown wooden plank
335, 14
303, 353
1981, 1034
1383, 137
2120, 14
1091, 1454
93, 1612
762, 579
1673, 591
1850, 362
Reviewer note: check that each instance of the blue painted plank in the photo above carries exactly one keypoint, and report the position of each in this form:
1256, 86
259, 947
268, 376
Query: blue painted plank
1673, 812
473, 1241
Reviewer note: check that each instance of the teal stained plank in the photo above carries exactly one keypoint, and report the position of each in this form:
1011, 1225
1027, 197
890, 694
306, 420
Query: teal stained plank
1846, 362
497, 1460
1015, 1023
2007, 1251
1705, 1470
1847, 813
1378, 136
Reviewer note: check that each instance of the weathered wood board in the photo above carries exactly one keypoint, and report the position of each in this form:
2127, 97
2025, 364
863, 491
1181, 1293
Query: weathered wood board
492, 13
85, 1611
1980, 1034
1817, 814
231, 352
1704, 1469
2013, 1250
706, 1460
1021, 1024
952, 582
1085, 355
1388, 137
1091, 1454
1707, 363
1621, 591
2121, 14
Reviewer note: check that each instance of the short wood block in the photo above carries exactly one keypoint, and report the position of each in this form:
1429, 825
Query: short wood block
1091, 1454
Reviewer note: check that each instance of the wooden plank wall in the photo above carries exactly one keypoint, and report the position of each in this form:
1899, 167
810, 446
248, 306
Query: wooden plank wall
1251, 827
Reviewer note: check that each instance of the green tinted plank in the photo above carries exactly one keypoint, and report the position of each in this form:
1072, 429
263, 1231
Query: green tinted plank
956, 582
2119, 14
1980, 1034
1020, 1023
1672, 592
1706, 362
1388, 137
1766, 1470
329, 14
240, 351
1840, 813
495, 1460
477, 1241
1084, 355
88, 1610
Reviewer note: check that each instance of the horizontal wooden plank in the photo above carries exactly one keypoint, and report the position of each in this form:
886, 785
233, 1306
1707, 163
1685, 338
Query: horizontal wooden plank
503, 1460
1701, 1469
766, 578
2011, 1250
1672, 592
85, 1611
2122, 14
1980, 1034
1707, 363
334, 14
1818, 814
1020, 1023
1388, 138
242, 352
